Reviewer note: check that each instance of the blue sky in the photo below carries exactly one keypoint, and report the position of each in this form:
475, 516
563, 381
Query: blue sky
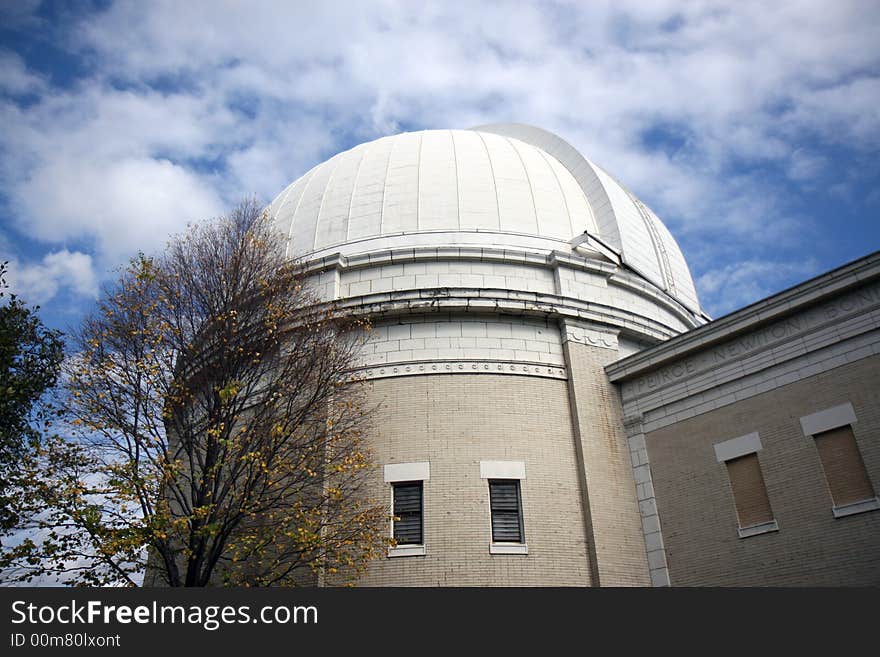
751, 128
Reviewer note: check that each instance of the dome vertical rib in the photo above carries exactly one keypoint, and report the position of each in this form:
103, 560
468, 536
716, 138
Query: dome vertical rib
494, 180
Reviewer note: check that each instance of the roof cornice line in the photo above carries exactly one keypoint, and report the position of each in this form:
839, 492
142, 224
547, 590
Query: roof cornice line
799, 297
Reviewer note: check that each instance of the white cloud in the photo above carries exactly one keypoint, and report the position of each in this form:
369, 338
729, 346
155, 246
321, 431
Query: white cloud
743, 282
126, 205
846, 113
94, 163
60, 271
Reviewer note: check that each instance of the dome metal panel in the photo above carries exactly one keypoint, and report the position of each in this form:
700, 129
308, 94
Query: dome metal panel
438, 176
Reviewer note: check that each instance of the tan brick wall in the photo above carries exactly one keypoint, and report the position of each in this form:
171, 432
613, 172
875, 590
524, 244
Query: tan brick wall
454, 422
616, 530
811, 547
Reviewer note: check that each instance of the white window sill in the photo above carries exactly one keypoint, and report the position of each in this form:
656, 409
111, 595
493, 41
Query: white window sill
856, 507
755, 530
508, 548
407, 551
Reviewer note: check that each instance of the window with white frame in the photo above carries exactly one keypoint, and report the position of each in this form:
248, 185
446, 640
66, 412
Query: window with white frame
505, 505
845, 473
407, 482
753, 511
407, 510
504, 486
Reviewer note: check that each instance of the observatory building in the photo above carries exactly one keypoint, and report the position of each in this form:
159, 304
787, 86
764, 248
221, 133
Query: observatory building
555, 407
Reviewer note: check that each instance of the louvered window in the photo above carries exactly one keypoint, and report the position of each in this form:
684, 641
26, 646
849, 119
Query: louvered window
408, 511
504, 499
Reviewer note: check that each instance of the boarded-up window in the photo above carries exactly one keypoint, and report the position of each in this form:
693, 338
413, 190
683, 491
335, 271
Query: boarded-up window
504, 501
408, 513
844, 469
749, 492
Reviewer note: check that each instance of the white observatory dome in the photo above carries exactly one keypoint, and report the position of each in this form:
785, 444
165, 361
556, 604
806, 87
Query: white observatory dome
500, 185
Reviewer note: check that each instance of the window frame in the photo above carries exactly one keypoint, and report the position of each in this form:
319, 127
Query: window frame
394, 512
816, 424
407, 473
737, 448
763, 526
519, 512
514, 471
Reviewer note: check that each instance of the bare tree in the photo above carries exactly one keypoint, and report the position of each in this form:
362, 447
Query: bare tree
221, 429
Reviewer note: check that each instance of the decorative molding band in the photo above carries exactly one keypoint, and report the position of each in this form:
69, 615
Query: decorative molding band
513, 302
415, 368
734, 371
589, 336
727, 386
433, 245
552, 259
765, 346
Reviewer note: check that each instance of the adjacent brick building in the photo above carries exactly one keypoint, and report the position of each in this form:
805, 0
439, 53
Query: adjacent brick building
788, 389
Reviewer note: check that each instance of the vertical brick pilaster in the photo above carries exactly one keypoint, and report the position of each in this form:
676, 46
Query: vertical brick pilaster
611, 510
